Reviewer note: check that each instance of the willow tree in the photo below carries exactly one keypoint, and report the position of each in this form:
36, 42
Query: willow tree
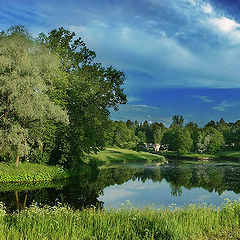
27, 73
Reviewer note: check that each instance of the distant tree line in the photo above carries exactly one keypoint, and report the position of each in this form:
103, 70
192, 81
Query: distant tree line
212, 138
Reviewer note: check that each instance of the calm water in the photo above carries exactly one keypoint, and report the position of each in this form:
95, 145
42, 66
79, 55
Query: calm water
142, 185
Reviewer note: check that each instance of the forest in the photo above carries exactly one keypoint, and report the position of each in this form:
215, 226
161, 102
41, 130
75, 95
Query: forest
212, 138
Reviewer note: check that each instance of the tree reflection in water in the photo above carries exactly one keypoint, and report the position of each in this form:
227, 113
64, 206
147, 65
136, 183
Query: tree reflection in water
84, 192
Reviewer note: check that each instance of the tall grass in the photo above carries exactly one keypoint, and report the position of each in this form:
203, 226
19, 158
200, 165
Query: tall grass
190, 222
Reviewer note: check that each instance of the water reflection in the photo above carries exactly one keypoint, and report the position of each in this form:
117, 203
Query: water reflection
179, 183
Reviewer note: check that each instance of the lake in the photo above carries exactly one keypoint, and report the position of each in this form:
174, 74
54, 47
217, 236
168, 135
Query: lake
142, 185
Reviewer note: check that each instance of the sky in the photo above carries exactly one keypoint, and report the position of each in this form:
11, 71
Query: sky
179, 56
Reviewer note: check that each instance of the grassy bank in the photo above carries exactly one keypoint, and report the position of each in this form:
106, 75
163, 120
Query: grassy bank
32, 172
191, 222
231, 155
189, 155
114, 155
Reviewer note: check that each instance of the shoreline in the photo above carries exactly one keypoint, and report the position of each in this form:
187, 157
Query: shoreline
196, 158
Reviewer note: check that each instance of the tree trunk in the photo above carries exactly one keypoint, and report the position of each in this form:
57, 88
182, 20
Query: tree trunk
26, 151
18, 153
6, 111
17, 201
25, 201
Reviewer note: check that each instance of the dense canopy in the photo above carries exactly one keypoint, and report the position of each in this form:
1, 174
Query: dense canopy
54, 99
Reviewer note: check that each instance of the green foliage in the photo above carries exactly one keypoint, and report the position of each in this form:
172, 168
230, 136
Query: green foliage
178, 140
216, 140
132, 135
26, 73
47, 83
177, 121
201, 141
92, 90
142, 137
30, 172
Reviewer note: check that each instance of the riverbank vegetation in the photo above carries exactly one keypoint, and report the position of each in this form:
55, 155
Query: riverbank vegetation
230, 154
199, 156
225, 155
215, 139
190, 222
117, 155
33, 172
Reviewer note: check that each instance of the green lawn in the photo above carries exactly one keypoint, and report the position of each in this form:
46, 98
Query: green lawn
114, 155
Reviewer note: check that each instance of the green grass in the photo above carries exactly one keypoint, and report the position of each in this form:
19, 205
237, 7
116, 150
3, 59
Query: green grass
31, 172
231, 154
20, 186
114, 155
197, 155
190, 222
191, 155
225, 155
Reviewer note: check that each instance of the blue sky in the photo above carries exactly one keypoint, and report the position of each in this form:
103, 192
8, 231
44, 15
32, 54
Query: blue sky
179, 56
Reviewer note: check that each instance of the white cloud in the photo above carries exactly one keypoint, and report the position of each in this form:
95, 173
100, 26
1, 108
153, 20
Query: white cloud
193, 2
115, 193
100, 23
201, 51
204, 99
224, 24
207, 8
78, 29
224, 106
144, 107
125, 32
133, 99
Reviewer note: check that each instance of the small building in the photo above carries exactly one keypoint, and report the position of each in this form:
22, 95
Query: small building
156, 146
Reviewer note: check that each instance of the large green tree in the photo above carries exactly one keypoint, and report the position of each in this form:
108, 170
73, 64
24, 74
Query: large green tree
178, 139
27, 73
92, 90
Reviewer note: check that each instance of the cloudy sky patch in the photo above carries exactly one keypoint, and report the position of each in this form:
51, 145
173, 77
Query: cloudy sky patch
170, 50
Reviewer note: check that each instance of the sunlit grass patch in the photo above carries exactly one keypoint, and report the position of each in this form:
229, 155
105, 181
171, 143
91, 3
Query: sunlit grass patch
192, 155
235, 154
31, 172
114, 155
